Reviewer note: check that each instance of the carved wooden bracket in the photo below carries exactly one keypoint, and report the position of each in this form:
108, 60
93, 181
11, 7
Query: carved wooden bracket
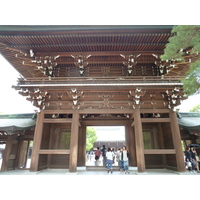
174, 97
45, 64
80, 61
75, 96
136, 95
130, 62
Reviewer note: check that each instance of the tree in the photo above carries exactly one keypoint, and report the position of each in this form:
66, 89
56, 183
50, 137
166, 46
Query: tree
195, 108
185, 37
90, 137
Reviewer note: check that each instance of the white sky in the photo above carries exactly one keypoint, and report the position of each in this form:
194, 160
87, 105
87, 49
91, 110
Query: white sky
110, 133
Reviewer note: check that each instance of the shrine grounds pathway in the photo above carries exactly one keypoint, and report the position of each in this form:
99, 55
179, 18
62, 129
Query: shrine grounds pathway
85, 172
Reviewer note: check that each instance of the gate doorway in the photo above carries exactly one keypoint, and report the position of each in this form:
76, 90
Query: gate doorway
110, 136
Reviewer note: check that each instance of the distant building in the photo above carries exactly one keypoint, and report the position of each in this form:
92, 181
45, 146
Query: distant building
112, 144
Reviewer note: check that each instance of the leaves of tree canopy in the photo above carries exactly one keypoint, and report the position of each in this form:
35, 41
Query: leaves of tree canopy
195, 108
185, 37
90, 138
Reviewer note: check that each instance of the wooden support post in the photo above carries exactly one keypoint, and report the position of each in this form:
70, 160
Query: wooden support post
50, 144
7, 153
74, 142
177, 141
161, 143
82, 146
130, 140
37, 142
139, 141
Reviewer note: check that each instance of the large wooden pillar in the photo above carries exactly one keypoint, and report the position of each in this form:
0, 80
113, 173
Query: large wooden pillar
37, 142
82, 146
7, 153
74, 142
177, 141
139, 141
130, 141
161, 142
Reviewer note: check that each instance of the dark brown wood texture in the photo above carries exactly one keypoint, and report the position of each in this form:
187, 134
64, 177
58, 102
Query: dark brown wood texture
98, 75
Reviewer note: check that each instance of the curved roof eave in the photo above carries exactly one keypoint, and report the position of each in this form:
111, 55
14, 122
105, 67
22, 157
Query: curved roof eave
21, 28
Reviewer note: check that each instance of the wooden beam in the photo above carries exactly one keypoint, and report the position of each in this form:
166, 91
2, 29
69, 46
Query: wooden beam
60, 120
155, 120
139, 141
159, 151
58, 111
74, 142
37, 142
101, 62
177, 141
104, 122
7, 153
161, 141
54, 151
106, 111
154, 110
82, 146
96, 53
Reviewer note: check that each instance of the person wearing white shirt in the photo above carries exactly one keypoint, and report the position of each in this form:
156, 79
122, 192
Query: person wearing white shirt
109, 160
125, 158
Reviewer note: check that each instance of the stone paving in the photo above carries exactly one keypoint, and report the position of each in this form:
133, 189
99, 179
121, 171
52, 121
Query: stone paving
85, 172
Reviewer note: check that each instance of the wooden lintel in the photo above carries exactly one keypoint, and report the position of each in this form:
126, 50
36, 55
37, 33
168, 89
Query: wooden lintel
58, 111
54, 151
60, 120
154, 110
151, 120
97, 122
107, 111
159, 151
96, 53
102, 62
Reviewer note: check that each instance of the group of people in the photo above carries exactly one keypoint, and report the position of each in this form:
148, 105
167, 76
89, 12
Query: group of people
122, 157
191, 160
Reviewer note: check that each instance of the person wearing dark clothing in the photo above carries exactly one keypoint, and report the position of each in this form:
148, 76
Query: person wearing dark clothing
194, 161
103, 153
188, 159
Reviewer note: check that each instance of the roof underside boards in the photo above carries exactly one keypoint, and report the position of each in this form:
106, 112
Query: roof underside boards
104, 46
189, 120
13, 122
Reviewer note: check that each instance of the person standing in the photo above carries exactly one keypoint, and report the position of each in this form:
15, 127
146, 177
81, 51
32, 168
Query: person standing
119, 160
103, 152
194, 162
97, 156
188, 159
109, 160
125, 159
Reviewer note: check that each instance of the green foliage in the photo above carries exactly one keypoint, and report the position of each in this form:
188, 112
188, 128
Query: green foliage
191, 83
90, 138
185, 37
195, 108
